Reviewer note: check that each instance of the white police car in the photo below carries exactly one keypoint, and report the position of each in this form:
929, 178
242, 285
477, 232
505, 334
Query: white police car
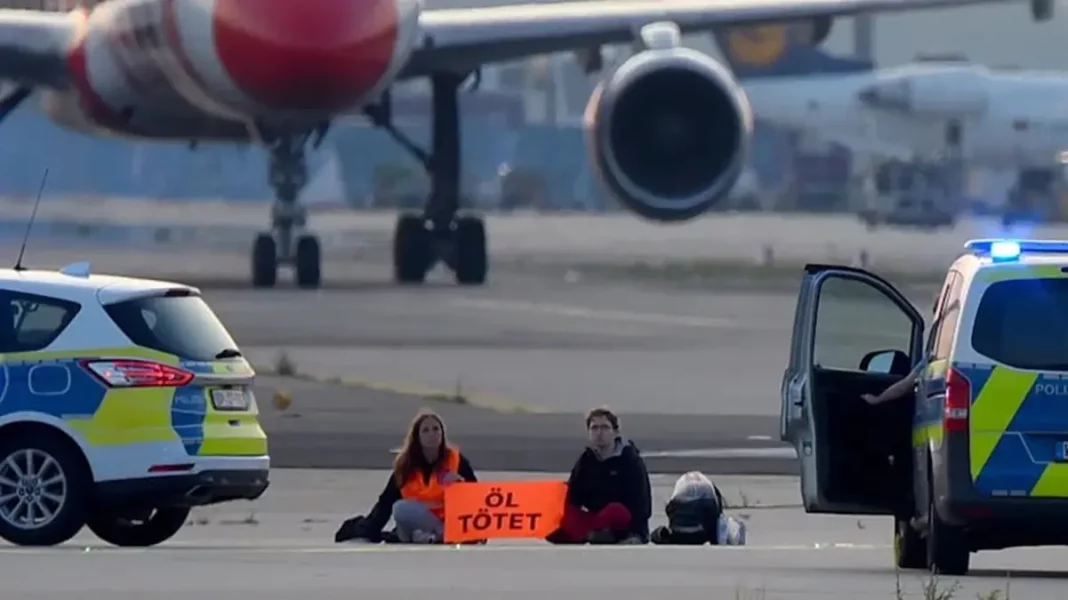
123, 403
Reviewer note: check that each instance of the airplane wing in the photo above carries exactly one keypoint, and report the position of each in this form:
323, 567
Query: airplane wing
459, 40
34, 47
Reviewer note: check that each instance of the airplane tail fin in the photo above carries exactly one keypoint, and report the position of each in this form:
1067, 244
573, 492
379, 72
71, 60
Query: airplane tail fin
779, 50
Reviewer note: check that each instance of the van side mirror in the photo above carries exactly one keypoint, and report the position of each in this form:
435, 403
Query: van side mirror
893, 362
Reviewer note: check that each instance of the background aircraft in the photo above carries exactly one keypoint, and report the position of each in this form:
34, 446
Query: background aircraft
929, 114
277, 72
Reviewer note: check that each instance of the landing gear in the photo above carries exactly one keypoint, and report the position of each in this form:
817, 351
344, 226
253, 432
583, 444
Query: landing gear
1033, 198
287, 243
439, 233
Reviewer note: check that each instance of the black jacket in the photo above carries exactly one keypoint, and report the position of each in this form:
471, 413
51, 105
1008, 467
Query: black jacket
622, 477
383, 509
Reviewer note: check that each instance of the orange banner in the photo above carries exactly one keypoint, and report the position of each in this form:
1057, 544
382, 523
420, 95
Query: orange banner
503, 509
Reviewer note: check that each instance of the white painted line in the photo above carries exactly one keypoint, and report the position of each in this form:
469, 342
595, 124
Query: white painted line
786, 452
600, 314
759, 438
353, 548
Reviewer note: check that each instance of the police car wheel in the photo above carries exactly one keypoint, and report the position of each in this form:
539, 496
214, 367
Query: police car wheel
947, 549
910, 550
123, 530
44, 489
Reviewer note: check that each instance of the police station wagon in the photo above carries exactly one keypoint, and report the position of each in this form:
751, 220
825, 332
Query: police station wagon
977, 457
123, 403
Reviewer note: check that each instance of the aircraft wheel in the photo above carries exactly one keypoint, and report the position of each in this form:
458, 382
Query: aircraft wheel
472, 261
264, 261
1042, 10
309, 262
412, 249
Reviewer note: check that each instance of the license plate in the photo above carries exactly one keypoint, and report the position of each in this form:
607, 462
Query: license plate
1060, 451
230, 399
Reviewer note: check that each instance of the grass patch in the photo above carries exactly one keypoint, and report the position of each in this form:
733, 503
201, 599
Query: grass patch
932, 588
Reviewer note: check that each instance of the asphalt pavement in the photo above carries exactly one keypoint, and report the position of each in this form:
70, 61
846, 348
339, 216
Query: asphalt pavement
695, 373
282, 547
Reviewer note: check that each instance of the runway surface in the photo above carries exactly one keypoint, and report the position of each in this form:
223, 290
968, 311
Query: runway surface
694, 373
281, 547
552, 237
687, 371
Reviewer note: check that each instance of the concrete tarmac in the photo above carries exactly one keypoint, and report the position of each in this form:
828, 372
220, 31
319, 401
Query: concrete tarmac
282, 547
694, 373
687, 371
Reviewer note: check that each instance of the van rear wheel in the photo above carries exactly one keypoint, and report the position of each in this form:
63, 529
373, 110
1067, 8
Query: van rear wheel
947, 546
910, 550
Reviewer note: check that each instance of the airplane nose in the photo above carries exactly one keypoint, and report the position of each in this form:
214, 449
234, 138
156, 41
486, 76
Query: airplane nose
305, 55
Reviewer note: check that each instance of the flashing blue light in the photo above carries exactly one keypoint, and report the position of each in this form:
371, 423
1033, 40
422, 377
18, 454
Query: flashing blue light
1010, 250
1004, 251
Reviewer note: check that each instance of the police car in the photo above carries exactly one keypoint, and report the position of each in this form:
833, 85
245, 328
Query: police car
975, 459
123, 403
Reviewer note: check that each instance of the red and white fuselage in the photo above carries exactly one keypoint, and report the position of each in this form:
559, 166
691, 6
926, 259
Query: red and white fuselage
206, 69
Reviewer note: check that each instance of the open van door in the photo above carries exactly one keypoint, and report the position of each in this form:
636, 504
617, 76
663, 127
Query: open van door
854, 334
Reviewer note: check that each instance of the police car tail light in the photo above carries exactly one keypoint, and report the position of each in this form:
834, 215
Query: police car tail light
958, 399
137, 373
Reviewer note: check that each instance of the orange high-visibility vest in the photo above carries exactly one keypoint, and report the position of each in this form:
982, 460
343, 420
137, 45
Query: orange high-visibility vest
432, 492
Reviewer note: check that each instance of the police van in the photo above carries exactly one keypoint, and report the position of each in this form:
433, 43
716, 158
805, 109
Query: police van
977, 457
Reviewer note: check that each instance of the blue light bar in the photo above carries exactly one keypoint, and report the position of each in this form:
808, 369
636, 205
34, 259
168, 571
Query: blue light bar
1009, 250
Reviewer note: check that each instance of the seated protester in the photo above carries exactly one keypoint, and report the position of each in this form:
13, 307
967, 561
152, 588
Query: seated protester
695, 515
609, 498
414, 495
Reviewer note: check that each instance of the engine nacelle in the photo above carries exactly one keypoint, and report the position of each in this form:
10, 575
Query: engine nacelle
669, 132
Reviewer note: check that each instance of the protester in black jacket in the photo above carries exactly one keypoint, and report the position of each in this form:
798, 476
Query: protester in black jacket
609, 498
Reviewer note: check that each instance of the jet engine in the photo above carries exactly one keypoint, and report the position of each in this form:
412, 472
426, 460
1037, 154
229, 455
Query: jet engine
669, 132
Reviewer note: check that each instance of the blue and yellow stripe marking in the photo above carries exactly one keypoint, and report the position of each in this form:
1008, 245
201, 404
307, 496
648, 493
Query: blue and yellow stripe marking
53, 383
1016, 420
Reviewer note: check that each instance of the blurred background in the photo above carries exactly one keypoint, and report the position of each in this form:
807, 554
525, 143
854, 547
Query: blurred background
524, 146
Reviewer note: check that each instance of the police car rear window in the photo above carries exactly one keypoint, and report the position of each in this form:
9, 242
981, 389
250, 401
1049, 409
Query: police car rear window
181, 325
1024, 324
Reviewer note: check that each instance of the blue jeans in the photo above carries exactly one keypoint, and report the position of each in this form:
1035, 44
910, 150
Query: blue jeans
412, 515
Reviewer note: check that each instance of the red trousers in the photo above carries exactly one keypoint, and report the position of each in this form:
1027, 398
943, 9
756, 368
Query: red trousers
577, 524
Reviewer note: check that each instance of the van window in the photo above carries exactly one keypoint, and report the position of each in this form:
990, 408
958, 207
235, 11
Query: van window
181, 325
1024, 324
947, 320
853, 318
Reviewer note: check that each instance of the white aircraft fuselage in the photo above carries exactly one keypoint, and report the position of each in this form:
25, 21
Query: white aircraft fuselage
1009, 119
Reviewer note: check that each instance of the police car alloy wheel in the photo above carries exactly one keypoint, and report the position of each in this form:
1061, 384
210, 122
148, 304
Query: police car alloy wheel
43, 491
154, 528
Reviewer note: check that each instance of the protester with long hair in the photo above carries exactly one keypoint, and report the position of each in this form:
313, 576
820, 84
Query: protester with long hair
415, 492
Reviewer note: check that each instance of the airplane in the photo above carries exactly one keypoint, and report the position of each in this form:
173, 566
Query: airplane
277, 73
916, 116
